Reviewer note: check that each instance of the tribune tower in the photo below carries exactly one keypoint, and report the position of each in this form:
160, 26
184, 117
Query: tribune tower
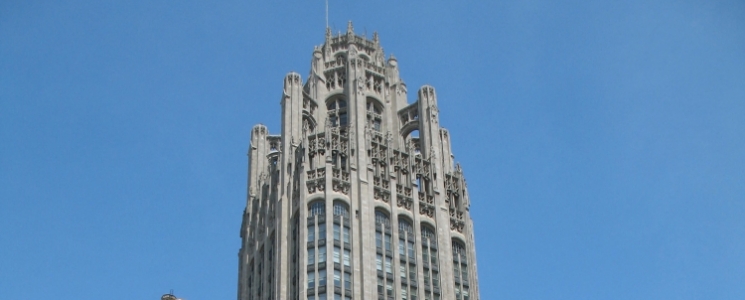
358, 197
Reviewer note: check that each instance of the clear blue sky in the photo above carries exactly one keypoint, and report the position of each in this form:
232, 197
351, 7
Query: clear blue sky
603, 141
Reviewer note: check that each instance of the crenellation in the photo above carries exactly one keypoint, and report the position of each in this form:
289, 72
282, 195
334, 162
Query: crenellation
353, 110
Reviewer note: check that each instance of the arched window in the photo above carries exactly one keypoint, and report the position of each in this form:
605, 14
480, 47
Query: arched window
337, 110
382, 218
430, 261
428, 233
406, 256
460, 270
316, 208
384, 255
341, 209
458, 248
404, 225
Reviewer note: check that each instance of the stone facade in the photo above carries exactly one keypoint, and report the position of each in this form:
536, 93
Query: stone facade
358, 197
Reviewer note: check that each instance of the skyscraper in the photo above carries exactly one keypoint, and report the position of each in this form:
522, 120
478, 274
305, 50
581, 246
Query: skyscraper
358, 197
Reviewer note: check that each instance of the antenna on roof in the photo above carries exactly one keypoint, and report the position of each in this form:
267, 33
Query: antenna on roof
327, 13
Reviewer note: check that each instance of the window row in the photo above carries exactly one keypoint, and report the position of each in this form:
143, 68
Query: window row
337, 111
318, 207
341, 233
341, 257
347, 277
404, 225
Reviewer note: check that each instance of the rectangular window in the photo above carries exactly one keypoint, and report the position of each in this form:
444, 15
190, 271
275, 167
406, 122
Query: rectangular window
404, 294
425, 254
402, 271
337, 297
411, 250
337, 232
401, 248
337, 255
311, 279
337, 278
412, 272
322, 254
311, 256
346, 258
380, 285
379, 240
343, 119
388, 265
322, 296
389, 287
346, 235
311, 233
322, 278
347, 281
379, 262
388, 242
322, 231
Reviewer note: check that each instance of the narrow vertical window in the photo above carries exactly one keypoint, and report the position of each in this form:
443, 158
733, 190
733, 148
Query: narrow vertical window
322, 231
337, 255
388, 265
346, 257
322, 278
322, 254
337, 232
311, 256
311, 279
311, 233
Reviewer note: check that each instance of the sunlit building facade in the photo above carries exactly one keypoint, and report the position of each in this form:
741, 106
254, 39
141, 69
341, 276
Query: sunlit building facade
358, 196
